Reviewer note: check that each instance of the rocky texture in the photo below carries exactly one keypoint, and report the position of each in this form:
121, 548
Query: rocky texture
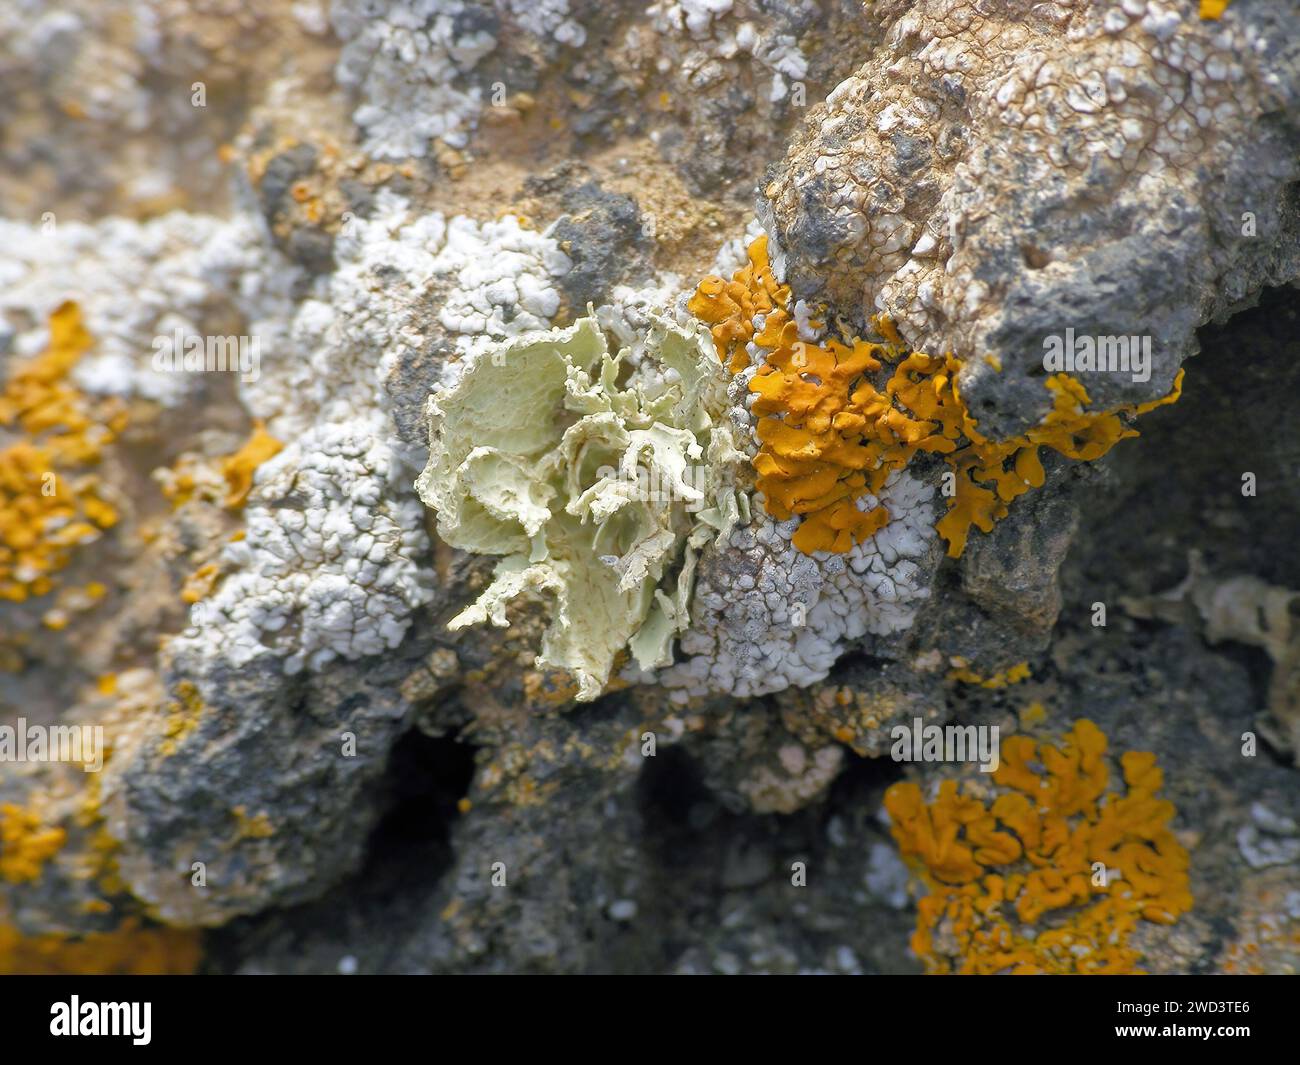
769, 616
992, 177
380, 193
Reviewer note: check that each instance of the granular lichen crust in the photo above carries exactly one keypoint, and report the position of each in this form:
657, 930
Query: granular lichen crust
845, 483
833, 425
1052, 876
995, 173
327, 566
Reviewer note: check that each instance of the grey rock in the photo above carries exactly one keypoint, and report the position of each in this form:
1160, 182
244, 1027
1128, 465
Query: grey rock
989, 187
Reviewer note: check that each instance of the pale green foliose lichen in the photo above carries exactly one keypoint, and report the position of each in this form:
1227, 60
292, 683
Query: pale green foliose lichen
597, 477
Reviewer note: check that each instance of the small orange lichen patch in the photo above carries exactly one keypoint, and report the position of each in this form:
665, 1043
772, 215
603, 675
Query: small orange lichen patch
258, 826
128, 950
179, 483
1012, 467
199, 584
1033, 714
228, 481
1016, 886
70, 601
25, 844
1213, 9
101, 864
183, 715
97, 858
830, 437
549, 688
238, 469
45, 511
729, 307
1003, 679
192, 477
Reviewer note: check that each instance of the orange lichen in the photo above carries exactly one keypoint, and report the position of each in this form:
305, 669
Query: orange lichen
729, 307
26, 844
182, 717
238, 469
254, 826
180, 483
1018, 885
1033, 714
226, 480
130, 949
97, 859
70, 601
549, 688
829, 437
45, 511
1014, 675
199, 584
1013, 467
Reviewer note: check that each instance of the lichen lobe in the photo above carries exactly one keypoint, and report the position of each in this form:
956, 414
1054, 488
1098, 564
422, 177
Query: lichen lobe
597, 477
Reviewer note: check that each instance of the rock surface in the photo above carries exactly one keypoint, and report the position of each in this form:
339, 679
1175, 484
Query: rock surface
307, 770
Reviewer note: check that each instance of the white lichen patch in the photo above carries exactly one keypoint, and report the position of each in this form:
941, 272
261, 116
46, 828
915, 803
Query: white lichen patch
501, 280
596, 486
404, 61
137, 282
327, 568
334, 560
408, 63
719, 35
768, 617
400, 279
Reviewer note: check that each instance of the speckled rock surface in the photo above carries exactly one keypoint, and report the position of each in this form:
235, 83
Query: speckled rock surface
991, 177
306, 770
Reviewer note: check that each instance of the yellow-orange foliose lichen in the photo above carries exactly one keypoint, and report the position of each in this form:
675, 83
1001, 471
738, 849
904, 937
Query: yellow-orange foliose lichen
131, 949
1012, 467
26, 844
1033, 714
47, 507
1054, 875
238, 469
830, 436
